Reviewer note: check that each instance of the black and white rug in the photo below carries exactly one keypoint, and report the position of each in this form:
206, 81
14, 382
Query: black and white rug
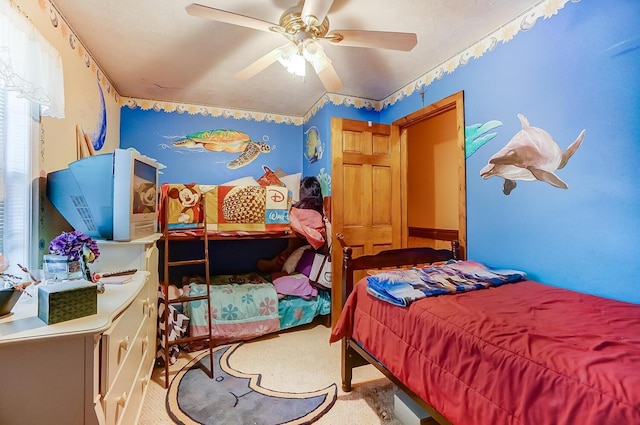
234, 397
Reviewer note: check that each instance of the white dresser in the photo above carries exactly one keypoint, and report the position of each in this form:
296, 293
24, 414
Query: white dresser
92, 370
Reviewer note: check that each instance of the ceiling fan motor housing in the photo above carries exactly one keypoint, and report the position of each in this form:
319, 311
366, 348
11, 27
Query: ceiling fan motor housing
293, 24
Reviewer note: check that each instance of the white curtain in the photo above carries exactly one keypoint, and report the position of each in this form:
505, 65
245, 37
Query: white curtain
29, 64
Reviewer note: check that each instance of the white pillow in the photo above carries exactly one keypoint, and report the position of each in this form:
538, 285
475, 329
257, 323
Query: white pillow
292, 181
243, 181
291, 262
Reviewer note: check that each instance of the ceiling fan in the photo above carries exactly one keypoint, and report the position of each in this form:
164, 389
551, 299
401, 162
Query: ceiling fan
305, 25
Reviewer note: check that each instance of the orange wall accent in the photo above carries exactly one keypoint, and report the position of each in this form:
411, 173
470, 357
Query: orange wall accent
433, 173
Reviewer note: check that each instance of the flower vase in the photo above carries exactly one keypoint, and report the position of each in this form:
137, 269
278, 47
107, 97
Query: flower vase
74, 270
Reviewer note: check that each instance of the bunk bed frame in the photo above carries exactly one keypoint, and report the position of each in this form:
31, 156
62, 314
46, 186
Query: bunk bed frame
202, 260
199, 232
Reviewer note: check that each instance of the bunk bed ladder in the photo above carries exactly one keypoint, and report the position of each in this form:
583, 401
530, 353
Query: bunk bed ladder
167, 265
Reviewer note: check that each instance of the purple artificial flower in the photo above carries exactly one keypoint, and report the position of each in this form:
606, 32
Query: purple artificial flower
72, 244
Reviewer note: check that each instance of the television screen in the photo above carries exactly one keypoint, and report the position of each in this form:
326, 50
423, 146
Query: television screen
144, 188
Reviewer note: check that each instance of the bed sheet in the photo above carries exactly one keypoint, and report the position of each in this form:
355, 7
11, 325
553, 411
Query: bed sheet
522, 353
296, 311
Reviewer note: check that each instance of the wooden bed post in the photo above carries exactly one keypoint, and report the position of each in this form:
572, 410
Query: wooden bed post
347, 287
347, 274
455, 248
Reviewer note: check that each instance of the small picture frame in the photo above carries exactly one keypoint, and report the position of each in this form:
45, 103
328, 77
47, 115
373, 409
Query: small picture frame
54, 267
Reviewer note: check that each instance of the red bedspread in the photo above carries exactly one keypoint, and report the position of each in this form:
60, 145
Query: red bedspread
523, 353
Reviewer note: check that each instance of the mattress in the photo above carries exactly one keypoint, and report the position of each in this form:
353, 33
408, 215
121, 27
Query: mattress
521, 353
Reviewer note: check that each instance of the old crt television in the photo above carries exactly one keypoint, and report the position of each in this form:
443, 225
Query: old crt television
108, 196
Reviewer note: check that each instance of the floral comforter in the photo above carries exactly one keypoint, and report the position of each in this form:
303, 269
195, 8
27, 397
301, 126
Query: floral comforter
247, 306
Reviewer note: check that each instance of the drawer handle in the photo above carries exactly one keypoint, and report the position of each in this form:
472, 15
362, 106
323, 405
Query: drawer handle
122, 400
145, 343
145, 380
124, 344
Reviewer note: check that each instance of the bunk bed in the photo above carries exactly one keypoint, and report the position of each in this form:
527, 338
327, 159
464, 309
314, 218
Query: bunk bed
231, 307
518, 353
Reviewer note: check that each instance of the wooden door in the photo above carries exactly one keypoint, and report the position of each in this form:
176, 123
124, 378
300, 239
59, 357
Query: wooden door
366, 192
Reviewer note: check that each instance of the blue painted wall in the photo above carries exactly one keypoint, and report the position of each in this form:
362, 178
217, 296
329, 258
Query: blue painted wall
577, 70
321, 123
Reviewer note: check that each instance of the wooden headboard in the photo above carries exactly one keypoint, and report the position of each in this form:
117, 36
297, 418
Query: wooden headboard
390, 258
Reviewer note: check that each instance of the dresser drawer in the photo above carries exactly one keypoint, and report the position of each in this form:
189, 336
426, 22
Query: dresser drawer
133, 405
119, 394
117, 342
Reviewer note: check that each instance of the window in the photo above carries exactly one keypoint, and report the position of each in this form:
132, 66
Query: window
31, 86
16, 177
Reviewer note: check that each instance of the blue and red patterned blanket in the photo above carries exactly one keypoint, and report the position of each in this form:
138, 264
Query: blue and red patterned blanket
401, 287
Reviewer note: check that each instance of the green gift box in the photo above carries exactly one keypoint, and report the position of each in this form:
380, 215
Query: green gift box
67, 300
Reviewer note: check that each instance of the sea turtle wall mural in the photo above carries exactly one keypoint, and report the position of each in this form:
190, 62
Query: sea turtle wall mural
531, 154
226, 140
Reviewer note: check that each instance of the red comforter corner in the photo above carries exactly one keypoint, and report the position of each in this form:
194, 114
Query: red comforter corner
343, 326
523, 353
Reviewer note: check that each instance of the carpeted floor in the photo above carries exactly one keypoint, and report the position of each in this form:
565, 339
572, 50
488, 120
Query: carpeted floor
301, 360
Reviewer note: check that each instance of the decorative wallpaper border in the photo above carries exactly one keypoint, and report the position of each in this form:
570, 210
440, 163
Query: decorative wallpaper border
214, 111
523, 22
58, 21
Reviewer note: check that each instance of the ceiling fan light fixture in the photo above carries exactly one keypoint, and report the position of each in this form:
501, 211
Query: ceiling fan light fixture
292, 59
297, 65
315, 55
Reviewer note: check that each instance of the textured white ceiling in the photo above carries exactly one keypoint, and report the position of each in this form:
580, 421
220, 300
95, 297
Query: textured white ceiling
153, 49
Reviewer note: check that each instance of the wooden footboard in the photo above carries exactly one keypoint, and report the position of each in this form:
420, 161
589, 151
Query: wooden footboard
354, 355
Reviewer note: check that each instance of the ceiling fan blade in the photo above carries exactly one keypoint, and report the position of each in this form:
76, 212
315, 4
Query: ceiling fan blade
259, 65
218, 15
315, 9
375, 39
330, 79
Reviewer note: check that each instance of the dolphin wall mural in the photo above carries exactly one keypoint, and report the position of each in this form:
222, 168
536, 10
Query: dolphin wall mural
531, 154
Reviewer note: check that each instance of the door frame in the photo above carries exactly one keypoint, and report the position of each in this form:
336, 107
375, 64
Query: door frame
453, 102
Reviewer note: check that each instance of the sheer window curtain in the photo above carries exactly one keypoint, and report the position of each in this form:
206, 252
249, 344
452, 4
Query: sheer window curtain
29, 64
31, 86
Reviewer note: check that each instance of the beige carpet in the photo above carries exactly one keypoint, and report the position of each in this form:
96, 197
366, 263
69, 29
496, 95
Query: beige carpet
296, 361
